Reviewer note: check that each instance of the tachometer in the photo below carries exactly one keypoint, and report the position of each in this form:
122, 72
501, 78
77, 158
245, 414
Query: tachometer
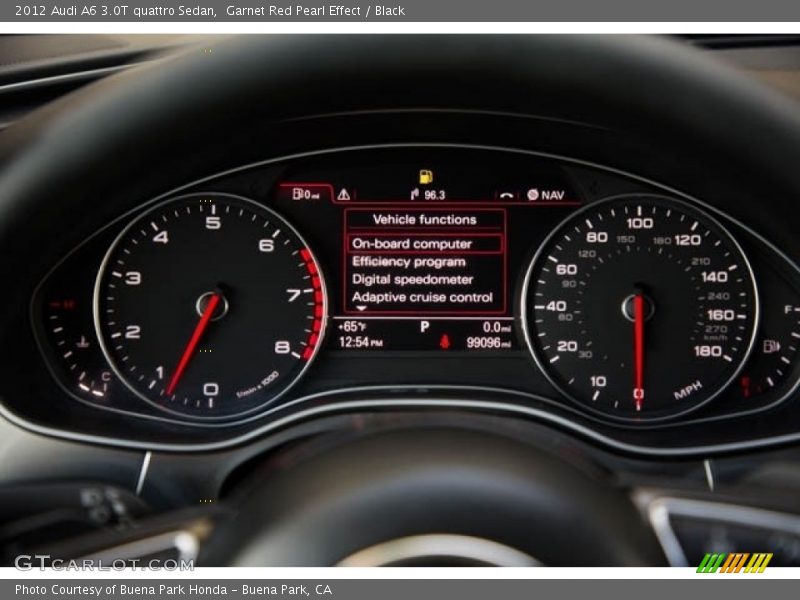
209, 305
640, 307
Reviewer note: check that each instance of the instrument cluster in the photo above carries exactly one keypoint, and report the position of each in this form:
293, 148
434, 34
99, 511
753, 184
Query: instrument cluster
603, 296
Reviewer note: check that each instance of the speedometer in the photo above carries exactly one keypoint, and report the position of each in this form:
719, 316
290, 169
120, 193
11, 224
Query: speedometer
640, 307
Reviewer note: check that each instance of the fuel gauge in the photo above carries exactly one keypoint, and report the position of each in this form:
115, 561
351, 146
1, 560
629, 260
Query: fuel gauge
772, 369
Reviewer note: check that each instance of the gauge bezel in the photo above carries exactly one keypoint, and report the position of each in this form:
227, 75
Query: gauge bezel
270, 401
585, 406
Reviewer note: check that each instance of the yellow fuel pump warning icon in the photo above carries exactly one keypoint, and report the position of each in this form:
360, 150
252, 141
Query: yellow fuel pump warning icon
425, 176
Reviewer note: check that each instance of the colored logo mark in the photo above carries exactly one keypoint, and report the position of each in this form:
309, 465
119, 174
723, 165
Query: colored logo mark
736, 562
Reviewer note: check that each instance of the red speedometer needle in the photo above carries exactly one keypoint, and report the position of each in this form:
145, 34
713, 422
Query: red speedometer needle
638, 349
201, 326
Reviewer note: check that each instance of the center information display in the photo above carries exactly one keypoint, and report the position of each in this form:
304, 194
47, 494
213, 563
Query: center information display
442, 270
425, 262
417, 245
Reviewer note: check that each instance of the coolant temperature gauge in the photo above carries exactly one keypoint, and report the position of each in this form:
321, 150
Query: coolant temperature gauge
63, 322
69, 329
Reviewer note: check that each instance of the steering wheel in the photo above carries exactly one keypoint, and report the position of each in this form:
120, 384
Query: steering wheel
131, 136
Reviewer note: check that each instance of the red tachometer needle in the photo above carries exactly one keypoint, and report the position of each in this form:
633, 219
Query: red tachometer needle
201, 326
638, 349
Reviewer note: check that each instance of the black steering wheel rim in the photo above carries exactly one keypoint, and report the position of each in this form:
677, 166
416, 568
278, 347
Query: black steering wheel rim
351, 500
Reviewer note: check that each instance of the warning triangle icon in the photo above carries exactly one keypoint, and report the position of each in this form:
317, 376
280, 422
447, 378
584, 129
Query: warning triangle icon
343, 196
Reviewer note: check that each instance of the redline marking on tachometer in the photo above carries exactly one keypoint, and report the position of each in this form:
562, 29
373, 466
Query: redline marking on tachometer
316, 283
